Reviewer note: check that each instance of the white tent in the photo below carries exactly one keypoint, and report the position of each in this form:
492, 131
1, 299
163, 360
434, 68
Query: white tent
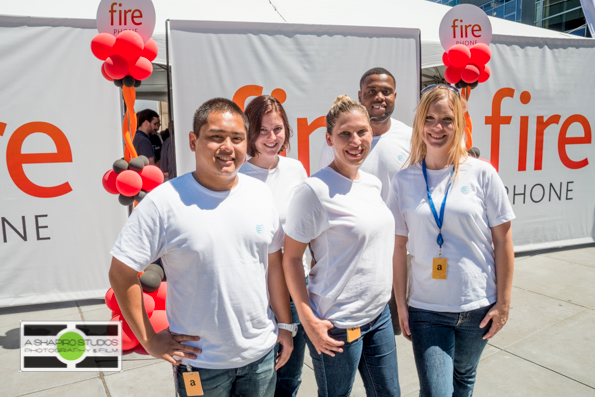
420, 14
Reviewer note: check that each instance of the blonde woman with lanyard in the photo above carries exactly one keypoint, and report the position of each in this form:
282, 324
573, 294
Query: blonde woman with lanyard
453, 216
339, 211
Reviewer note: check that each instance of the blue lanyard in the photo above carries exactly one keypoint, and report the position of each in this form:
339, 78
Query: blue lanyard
439, 220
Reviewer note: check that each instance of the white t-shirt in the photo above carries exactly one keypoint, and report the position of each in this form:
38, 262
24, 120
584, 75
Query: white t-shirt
475, 202
351, 233
282, 180
214, 247
387, 155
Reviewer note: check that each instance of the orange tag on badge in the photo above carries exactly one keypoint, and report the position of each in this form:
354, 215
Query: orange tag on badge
192, 383
439, 268
353, 334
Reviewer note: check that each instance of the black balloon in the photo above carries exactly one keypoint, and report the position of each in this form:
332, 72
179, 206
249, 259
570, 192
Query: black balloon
140, 196
150, 281
128, 81
136, 164
126, 201
458, 84
473, 85
118, 83
144, 158
120, 165
157, 269
137, 83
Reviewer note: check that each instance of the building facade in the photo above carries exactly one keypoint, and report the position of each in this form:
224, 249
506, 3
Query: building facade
560, 15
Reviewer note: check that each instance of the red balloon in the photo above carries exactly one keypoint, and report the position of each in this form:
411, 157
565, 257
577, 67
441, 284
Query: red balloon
116, 67
150, 50
149, 304
480, 54
104, 73
445, 59
129, 183
141, 69
470, 74
159, 320
109, 182
485, 74
128, 45
160, 296
452, 74
111, 302
129, 340
101, 45
152, 177
459, 55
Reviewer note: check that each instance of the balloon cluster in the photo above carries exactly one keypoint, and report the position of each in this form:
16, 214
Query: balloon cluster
127, 60
132, 181
154, 303
467, 66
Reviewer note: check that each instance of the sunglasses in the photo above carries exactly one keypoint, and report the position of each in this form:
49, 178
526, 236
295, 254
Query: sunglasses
447, 86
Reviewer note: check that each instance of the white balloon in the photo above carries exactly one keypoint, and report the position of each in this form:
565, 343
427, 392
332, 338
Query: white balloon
465, 24
116, 16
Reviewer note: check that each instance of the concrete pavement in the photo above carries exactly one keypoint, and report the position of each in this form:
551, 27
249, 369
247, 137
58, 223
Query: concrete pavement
546, 349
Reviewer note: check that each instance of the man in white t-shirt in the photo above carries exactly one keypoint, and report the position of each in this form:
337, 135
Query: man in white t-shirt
391, 144
219, 236
392, 139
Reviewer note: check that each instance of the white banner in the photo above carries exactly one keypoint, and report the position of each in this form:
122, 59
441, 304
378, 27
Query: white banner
533, 119
309, 64
59, 133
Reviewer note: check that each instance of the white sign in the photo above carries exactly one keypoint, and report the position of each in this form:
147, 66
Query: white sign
465, 24
114, 17
57, 139
308, 65
540, 137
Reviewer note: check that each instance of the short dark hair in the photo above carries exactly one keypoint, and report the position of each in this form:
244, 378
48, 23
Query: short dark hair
145, 115
255, 111
377, 71
216, 105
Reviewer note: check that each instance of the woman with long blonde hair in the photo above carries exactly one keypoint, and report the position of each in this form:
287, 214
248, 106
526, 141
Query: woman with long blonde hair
453, 216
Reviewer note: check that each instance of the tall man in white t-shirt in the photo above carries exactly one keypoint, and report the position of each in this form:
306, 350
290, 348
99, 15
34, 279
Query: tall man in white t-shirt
392, 139
391, 143
219, 236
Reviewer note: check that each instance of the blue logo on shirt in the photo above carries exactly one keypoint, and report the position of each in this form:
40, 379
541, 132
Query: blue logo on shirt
259, 229
465, 189
401, 157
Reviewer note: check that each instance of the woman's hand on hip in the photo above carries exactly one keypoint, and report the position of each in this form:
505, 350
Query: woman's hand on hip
499, 316
317, 331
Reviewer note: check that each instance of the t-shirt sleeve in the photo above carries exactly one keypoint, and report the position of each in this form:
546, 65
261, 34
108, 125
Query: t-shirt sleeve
394, 205
306, 217
498, 207
326, 156
142, 239
279, 236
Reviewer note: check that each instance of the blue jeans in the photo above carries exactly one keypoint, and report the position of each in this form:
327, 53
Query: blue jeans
447, 349
374, 355
289, 375
253, 380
